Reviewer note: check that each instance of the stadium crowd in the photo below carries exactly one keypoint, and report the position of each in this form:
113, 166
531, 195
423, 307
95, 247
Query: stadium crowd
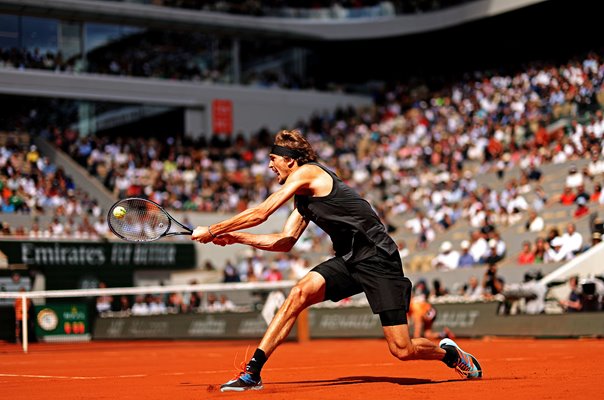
411, 156
158, 54
158, 304
31, 184
415, 155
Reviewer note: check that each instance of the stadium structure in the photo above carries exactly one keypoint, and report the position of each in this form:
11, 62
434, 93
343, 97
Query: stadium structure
216, 74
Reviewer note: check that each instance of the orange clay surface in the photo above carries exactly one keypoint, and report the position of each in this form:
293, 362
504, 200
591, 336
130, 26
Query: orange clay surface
320, 369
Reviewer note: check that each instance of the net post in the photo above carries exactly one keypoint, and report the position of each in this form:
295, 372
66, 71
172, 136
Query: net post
303, 332
24, 324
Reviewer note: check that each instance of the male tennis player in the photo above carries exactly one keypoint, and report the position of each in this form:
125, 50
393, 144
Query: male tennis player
366, 259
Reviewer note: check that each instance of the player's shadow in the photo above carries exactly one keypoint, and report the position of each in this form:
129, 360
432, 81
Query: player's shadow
355, 380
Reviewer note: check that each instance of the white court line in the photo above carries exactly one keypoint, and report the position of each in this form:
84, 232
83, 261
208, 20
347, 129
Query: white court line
361, 365
71, 377
176, 373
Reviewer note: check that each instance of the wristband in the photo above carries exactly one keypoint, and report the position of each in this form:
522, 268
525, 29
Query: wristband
211, 234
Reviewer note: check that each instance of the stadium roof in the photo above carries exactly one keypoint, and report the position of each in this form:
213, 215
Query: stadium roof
339, 29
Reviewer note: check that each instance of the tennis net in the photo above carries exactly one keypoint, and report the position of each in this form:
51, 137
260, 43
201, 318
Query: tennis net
200, 311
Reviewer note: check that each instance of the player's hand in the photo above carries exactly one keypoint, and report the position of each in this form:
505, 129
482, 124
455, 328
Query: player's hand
202, 234
224, 240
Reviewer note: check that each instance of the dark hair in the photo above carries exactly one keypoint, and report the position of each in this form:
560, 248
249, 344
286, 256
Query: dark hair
294, 140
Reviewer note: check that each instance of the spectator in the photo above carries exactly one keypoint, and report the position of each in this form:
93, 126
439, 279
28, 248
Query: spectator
572, 239
582, 208
534, 222
250, 268
524, 185
230, 273
574, 178
104, 302
421, 289
496, 250
540, 200
447, 258
596, 238
474, 290
557, 251
465, 259
540, 250
140, 307
492, 283
595, 166
226, 304
194, 303
552, 234
582, 194
438, 289
273, 274
573, 302
567, 197
516, 204
101, 227
422, 228
527, 255
124, 305
212, 303
478, 246
176, 303
590, 295
597, 193
534, 173
157, 305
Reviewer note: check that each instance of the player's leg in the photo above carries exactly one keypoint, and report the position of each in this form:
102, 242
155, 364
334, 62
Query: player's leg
389, 294
310, 290
400, 344
404, 348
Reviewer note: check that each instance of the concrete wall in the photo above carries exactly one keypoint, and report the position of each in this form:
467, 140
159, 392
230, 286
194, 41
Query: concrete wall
253, 108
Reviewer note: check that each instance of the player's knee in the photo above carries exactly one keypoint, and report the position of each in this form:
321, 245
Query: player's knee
298, 297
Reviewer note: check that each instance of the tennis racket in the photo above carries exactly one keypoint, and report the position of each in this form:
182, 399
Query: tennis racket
141, 220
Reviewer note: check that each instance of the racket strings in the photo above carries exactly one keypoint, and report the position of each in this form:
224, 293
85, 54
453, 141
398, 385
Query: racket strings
143, 221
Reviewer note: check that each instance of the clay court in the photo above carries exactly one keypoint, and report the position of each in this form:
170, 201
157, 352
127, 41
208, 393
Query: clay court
320, 369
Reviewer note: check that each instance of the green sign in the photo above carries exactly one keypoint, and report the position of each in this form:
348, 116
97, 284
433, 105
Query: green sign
62, 322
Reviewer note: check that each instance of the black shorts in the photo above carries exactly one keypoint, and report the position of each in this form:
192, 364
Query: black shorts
380, 277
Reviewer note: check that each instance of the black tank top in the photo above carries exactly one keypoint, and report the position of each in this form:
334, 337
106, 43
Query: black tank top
353, 226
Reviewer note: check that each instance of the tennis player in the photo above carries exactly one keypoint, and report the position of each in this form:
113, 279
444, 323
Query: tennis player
366, 259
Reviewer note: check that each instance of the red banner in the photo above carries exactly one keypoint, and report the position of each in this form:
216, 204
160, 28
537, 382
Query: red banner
222, 116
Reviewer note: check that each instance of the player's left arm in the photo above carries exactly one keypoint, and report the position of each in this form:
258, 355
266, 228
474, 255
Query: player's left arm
299, 180
282, 241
